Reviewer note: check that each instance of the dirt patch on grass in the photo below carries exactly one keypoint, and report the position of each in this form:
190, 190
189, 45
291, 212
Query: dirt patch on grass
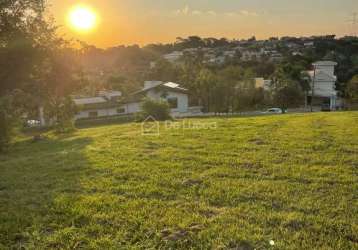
181, 233
209, 213
250, 165
257, 141
192, 182
241, 245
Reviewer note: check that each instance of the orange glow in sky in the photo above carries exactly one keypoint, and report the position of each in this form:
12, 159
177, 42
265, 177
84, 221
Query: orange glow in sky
146, 21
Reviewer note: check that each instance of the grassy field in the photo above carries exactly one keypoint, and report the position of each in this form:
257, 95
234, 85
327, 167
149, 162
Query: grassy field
289, 179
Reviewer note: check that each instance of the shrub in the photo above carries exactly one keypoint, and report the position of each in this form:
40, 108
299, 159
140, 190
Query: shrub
157, 109
352, 90
4, 130
63, 110
6, 122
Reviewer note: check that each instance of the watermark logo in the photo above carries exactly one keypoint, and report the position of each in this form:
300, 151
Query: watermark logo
150, 127
190, 125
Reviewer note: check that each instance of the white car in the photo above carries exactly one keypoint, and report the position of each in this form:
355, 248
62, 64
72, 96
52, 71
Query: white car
274, 111
33, 123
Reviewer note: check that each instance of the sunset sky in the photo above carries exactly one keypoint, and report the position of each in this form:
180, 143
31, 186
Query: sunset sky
151, 21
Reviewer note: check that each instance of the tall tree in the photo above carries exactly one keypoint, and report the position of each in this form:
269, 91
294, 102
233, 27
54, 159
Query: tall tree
352, 90
32, 57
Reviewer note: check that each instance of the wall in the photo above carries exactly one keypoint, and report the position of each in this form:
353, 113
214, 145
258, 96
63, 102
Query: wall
183, 100
134, 107
328, 69
101, 113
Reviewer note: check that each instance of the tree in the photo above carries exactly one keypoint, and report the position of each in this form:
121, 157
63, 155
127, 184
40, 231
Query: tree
6, 122
352, 90
204, 88
227, 89
12, 107
25, 39
287, 93
190, 42
159, 110
62, 111
33, 58
164, 71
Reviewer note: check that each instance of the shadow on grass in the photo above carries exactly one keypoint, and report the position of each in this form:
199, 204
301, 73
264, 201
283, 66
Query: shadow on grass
33, 176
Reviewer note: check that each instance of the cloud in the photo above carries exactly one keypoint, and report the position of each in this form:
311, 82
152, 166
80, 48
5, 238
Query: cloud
196, 12
186, 10
231, 14
211, 13
245, 13
248, 13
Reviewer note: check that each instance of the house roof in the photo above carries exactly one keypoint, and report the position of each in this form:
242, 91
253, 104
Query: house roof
168, 85
89, 100
111, 93
324, 63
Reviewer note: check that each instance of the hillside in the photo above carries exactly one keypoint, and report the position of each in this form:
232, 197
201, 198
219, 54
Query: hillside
290, 179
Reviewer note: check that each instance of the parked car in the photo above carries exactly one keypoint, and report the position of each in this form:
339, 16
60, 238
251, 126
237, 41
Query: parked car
274, 111
33, 123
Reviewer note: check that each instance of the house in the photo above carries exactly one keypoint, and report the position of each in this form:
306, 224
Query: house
191, 51
323, 85
230, 53
309, 44
262, 83
276, 57
217, 60
296, 53
176, 96
173, 57
104, 105
112, 103
249, 55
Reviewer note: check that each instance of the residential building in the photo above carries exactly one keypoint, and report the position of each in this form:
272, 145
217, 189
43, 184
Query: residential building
103, 105
309, 44
111, 103
176, 96
276, 57
323, 84
249, 55
218, 60
230, 53
260, 82
173, 57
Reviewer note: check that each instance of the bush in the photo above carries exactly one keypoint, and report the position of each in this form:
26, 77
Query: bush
63, 110
287, 95
5, 130
6, 122
159, 110
352, 91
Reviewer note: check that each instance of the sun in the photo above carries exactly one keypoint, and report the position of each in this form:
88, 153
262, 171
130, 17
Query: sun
82, 18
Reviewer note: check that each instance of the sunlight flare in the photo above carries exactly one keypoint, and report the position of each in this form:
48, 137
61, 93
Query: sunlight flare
82, 18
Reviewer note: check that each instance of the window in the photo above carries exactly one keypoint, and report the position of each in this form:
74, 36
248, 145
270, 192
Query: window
173, 102
121, 110
93, 114
164, 94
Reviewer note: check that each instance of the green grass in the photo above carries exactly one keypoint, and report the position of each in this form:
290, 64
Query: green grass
291, 179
